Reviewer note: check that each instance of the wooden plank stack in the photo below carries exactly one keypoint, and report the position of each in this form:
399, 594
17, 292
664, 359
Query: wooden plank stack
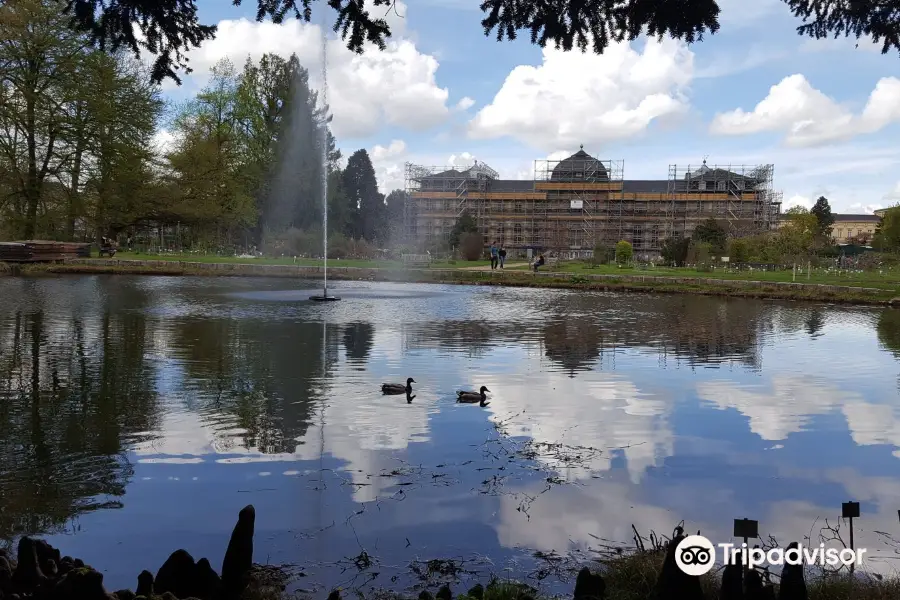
34, 251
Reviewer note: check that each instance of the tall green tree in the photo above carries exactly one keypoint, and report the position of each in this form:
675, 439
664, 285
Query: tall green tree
123, 110
395, 206
171, 29
822, 211
465, 223
887, 233
213, 194
39, 58
361, 188
713, 233
304, 151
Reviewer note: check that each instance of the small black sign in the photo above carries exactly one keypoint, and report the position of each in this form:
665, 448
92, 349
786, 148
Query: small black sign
850, 510
746, 528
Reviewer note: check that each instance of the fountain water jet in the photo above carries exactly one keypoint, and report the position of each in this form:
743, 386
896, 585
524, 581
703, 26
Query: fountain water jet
323, 141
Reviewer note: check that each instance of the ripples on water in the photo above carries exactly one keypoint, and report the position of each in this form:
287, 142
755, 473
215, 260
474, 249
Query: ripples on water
176, 401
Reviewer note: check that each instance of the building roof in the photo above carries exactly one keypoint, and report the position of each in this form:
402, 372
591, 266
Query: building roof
581, 166
848, 217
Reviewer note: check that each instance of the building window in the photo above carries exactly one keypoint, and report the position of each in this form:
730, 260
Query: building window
840, 232
720, 186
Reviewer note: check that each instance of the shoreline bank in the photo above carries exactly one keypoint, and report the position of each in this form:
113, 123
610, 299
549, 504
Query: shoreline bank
710, 286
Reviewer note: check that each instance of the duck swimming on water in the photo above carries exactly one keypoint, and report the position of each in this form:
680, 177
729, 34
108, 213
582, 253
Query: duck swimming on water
398, 388
473, 397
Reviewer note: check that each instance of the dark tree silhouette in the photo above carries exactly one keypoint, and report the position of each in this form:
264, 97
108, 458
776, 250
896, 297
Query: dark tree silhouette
822, 210
171, 27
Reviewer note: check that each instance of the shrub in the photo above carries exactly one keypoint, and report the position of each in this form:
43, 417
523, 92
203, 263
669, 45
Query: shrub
471, 246
624, 252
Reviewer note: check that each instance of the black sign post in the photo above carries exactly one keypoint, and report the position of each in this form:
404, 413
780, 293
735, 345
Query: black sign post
746, 529
850, 510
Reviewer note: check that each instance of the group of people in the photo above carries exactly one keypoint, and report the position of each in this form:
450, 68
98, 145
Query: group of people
498, 257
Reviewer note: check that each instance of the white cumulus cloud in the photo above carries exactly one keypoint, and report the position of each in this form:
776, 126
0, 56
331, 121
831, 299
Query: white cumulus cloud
574, 97
366, 91
808, 117
465, 103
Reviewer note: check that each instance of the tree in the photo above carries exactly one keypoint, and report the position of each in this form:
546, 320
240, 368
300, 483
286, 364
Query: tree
465, 223
738, 250
822, 211
123, 110
361, 188
471, 246
713, 233
213, 194
795, 239
674, 250
171, 28
39, 56
395, 205
624, 252
887, 233
295, 193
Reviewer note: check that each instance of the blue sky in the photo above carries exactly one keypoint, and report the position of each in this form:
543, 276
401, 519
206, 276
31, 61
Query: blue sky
824, 112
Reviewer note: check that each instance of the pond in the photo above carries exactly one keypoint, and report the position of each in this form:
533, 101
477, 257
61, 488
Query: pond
138, 415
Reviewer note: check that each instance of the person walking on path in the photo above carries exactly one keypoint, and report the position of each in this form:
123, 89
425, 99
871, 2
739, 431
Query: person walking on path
494, 255
501, 255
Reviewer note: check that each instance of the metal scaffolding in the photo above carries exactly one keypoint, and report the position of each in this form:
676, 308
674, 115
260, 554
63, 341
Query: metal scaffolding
438, 195
741, 196
581, 204
573, 205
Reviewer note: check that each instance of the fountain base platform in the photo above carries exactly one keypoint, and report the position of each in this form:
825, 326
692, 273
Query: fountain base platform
324, 298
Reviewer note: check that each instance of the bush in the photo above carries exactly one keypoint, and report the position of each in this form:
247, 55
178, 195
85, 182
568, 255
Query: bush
624, 252
471, 246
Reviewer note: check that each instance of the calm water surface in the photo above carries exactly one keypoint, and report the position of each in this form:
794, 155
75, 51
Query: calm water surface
138, 415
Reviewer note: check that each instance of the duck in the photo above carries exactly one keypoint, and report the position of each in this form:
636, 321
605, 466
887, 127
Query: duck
398, 388
473, 397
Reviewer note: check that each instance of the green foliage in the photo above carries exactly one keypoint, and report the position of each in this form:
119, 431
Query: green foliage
738, 250
699, 253
887, 233
366, 208
464, 224
172, 32
674, 250
395, 204
822, 211
602, 254
713, 233
471, 246
624, 252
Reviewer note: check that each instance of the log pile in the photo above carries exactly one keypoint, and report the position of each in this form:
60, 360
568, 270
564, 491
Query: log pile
33, 251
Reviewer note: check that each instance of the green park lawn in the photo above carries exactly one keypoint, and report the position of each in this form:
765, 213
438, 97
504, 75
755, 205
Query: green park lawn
888, 279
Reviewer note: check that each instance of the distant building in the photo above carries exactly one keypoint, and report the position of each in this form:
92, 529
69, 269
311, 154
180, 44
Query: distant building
572, 205
849, 228
859, 228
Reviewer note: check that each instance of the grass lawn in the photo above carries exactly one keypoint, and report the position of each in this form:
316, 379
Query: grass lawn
889, 279
304, 262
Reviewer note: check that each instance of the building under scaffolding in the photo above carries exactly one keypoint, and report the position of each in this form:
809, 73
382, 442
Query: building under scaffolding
573, 205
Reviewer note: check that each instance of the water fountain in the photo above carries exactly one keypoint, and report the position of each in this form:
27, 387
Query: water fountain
323, 141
